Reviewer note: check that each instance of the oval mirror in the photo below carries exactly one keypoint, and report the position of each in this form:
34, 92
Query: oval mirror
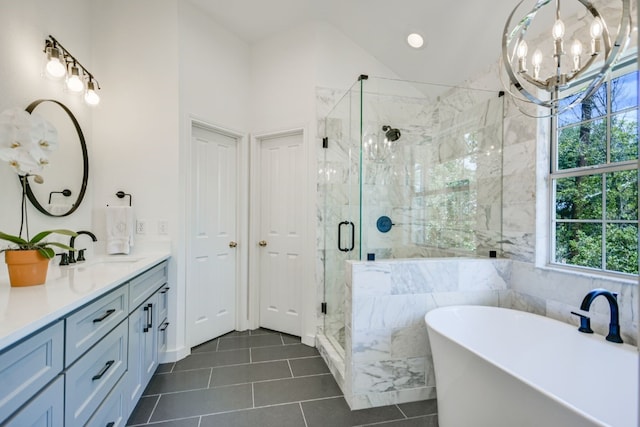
65, 181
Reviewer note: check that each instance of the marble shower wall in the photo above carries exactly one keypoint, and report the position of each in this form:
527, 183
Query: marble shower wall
388, 357
441, 185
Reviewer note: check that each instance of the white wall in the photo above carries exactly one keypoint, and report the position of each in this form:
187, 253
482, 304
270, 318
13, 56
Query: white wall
24, 26
286, 70
136, 125
214, 71
214, 89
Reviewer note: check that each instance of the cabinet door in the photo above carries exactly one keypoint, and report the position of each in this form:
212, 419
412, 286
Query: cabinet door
29, 366
45, 410
143, 348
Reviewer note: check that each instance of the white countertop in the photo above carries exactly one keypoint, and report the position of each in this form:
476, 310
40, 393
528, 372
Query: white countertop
25, 310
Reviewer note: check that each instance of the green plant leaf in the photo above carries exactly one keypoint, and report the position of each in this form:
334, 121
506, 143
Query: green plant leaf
59, 245
47, 252
38, 237
13, 239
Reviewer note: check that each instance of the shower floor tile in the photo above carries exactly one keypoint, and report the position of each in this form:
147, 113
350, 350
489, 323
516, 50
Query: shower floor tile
274, 382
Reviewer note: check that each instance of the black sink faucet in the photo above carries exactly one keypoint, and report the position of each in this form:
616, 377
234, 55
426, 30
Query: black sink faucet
72, 241
614, 323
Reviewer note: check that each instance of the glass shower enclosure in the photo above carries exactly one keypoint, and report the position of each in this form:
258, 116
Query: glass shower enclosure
408, 170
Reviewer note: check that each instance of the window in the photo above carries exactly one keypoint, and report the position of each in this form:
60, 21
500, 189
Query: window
594, 178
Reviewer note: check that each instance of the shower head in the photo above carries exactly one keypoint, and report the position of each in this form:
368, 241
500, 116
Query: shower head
391, 133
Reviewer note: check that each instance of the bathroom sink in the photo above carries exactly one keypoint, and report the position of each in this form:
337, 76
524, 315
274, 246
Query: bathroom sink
107, 261
114, 260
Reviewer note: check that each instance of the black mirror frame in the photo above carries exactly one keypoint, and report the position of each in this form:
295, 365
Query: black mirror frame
85, 160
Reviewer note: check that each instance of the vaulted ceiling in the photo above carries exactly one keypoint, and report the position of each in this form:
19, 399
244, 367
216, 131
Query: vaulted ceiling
461, 37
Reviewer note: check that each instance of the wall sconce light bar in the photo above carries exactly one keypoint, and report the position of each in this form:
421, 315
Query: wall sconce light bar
61, 63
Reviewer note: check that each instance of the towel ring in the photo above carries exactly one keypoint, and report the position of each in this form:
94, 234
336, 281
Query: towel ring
121, 195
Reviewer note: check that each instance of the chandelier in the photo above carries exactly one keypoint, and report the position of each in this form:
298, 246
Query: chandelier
539, 81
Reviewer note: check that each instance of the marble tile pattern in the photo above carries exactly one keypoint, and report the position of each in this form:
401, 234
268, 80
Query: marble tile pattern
388, 357
385, 301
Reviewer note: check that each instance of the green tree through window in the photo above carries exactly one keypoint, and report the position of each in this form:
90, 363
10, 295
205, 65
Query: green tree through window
594, 178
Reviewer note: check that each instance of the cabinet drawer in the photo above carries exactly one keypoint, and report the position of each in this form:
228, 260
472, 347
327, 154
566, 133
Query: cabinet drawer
29, 366
163, 303
113, 411
93, 376
162, 337
145, 285
44, 410
87, 326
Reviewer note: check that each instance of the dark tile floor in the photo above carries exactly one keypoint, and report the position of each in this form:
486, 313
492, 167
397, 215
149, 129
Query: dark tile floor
260, 378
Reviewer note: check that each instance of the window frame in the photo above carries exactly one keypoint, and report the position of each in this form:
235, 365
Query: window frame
625, 66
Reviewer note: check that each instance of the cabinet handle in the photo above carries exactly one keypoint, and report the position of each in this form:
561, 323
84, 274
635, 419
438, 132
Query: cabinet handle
150, 324
164, 326
103, 371
149, 310
165, 290
146, 313
107, 314
111, 424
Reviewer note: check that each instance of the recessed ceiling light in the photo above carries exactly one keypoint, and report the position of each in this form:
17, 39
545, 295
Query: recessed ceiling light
415, 40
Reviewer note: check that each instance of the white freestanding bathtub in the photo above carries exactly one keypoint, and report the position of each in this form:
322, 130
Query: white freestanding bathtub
497, 367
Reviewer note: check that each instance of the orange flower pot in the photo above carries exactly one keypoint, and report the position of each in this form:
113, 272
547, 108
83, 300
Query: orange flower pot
26, 268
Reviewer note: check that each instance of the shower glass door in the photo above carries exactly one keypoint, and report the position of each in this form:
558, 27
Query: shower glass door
340, 191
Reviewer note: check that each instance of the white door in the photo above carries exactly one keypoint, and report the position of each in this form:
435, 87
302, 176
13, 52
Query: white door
212, 268
282, 220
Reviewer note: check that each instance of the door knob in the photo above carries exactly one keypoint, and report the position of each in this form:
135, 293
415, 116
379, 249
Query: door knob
232, 244
262, 243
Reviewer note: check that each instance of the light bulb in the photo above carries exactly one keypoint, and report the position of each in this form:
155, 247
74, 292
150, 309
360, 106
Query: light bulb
54, 67
537, 58
90, 96
576, 51
576, 48
596, 28
522, 56
522, 49
74, 81
558, 30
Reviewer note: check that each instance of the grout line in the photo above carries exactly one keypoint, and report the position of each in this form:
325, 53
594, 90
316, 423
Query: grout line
290, 370
401, 411
250, 356
154, 409
199, 421
417, 417
303, 417
281, 339
253, 397
210, 378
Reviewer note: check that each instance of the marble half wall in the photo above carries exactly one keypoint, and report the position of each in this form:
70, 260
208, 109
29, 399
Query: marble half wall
387, 354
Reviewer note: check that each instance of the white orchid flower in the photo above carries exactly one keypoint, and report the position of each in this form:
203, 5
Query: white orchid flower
43, 134
26, 140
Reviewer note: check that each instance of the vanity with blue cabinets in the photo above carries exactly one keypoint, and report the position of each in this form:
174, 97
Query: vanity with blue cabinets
80, 349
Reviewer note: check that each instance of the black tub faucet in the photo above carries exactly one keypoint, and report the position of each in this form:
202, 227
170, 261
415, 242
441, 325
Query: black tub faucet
72, 241
614, 323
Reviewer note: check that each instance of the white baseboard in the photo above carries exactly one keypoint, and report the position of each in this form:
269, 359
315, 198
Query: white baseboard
171, 356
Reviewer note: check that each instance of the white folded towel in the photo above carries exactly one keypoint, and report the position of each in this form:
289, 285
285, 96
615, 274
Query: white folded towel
120, 229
